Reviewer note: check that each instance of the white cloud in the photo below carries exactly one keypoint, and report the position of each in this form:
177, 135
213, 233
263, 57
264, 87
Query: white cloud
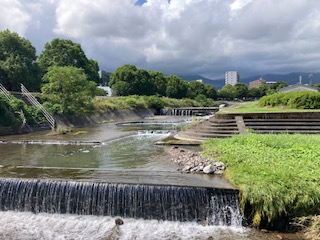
13, 16
183, 36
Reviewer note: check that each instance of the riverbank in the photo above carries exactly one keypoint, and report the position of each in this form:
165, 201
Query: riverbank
278, 175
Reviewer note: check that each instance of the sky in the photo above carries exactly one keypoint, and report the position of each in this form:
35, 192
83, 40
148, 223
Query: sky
204, 37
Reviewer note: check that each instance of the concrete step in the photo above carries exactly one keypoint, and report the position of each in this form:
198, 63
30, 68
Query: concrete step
302, 127
287, 131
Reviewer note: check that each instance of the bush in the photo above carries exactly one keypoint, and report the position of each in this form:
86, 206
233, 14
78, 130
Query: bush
154, 102
295, 100
8, 115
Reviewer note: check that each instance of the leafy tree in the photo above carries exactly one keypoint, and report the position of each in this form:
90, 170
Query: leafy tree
176, 87
195, 88
228, 92
254, 92
143, 84
211, 92
68, 90
128, 80
264, 89
18, 62
277, 85
64, 52
241, 89
160, 83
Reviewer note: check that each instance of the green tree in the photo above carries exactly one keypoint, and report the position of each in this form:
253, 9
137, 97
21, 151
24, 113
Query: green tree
228, 92
159, 82
176, 87
64, 52
18, 62
254, 92
264, 89
195, 88
211, 92
68, 90
277, 85
241, 89
128, 80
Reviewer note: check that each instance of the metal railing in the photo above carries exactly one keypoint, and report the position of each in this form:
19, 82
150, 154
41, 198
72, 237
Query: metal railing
5, 92
35, 103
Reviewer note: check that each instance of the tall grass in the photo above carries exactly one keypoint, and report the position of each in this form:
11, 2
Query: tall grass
278, 175
135, 102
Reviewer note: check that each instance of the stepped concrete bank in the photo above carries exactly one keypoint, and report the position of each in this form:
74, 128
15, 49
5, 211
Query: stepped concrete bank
227, 124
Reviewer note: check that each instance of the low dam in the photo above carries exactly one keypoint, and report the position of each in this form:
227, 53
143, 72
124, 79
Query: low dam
84, 188
172, 203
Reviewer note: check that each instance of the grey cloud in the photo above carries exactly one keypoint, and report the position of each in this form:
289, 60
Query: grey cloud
186, 36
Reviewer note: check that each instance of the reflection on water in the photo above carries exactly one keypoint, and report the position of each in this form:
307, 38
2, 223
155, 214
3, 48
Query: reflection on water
131, 152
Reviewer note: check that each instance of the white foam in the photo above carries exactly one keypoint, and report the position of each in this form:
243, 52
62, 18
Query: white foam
23, 225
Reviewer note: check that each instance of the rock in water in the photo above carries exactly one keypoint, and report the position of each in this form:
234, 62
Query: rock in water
119, 221
208, 169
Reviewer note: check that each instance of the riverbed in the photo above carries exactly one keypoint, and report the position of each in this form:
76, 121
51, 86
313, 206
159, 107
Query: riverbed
125, 153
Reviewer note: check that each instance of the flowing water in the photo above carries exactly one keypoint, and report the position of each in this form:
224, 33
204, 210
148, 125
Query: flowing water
60, 191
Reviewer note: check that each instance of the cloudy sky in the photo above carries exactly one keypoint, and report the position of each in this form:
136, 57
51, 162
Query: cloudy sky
206, 37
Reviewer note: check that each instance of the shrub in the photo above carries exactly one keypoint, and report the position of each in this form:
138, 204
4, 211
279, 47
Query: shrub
297, 100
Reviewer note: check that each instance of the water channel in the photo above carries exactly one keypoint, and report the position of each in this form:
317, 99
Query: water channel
117, 159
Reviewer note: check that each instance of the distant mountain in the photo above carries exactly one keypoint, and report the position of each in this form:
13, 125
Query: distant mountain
290, 78
217, 84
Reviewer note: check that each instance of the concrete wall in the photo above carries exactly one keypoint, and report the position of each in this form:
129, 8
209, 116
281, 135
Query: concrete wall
123, 115
270, 115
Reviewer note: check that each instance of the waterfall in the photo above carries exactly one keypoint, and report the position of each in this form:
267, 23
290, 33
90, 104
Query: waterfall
172, 203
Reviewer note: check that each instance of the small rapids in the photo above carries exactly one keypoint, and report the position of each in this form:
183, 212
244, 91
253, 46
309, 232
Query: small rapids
27, 226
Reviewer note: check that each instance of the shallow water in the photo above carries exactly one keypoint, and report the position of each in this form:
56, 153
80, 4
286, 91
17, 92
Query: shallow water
123, 157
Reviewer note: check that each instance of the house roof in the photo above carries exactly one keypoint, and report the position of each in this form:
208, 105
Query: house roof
298, 87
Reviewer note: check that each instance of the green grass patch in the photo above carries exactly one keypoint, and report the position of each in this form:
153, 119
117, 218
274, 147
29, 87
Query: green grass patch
278, 175
254, 107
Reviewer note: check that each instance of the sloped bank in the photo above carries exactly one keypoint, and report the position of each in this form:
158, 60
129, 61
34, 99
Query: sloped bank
110, 116
84, 120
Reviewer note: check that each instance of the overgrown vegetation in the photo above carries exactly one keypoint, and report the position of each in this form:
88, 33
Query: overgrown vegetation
310, 226
135, 102
16, 111
299, 100
278, 175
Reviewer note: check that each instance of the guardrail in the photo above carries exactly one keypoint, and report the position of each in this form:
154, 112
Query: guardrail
5, 92
35, 103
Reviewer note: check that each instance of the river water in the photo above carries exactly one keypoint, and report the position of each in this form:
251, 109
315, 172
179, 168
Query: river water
122, 153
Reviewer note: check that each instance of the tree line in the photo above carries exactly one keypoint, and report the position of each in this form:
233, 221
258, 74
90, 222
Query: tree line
68, 80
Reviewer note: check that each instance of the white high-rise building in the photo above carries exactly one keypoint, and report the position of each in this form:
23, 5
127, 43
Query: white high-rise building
231, 77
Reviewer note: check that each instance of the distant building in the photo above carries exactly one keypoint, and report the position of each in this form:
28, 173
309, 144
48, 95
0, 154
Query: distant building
257, 83
299, 87
231, 77
108, 90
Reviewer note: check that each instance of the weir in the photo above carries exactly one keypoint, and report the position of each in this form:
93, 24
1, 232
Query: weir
173, 203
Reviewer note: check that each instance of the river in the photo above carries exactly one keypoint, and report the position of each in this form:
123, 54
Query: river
121, 154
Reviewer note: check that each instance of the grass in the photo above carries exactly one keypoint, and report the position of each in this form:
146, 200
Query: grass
102, 104
310, 226
278, 175
253, 107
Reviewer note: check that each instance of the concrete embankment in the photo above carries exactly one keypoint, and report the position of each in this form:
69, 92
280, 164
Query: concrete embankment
110, 116
86, 120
